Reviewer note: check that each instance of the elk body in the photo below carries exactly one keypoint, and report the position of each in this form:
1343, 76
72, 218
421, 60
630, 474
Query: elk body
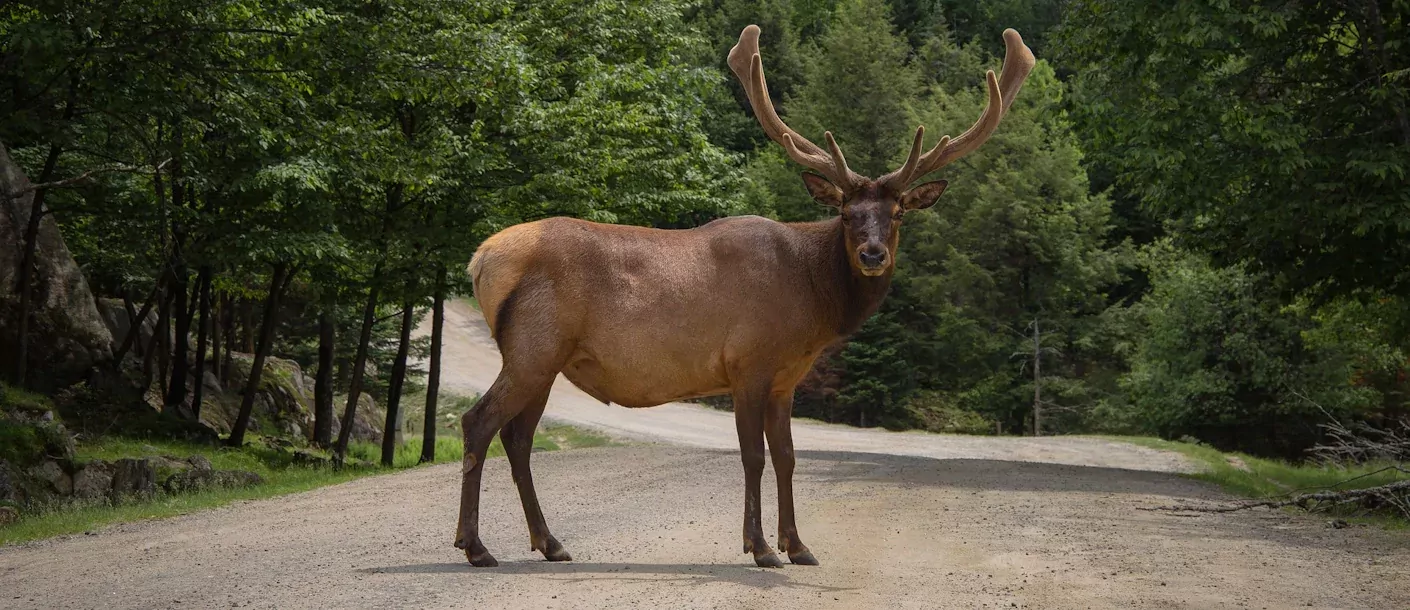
740, 306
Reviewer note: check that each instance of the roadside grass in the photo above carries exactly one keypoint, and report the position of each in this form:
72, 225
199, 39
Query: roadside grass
1267, 479
280, 475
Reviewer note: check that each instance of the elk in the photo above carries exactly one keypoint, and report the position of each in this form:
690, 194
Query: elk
740, 306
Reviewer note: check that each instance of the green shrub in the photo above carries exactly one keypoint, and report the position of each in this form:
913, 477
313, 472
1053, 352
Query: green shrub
1219, 359
938, 412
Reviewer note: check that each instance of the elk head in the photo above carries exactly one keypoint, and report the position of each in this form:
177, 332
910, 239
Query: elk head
871, 210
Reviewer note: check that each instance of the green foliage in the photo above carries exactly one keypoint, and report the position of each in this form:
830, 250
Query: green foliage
1276, 134
1216, 359
279, 474
1258, 153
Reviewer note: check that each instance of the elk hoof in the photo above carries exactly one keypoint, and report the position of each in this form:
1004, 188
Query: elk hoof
768, 560
802, 558
554, 551
482, 560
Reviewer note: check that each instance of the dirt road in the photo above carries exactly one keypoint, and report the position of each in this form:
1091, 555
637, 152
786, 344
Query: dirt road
949, 522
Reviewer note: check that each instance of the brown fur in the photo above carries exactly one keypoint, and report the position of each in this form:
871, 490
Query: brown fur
640, 317
742, 305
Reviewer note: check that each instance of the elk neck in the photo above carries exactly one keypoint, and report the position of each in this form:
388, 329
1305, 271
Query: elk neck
846, 296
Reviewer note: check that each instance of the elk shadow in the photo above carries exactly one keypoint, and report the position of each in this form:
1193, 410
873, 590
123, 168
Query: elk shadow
577, 572
997, 475
1148, 492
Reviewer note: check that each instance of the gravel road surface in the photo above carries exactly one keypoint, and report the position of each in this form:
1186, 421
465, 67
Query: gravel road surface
897, 520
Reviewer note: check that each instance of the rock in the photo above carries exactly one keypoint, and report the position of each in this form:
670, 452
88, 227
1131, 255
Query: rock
199, 462
198, 480
119, 323
54, 477
93, 481
8, 515
133, 478
68, 336
9, 492
283, 404
308, 458
367, 420
165, 466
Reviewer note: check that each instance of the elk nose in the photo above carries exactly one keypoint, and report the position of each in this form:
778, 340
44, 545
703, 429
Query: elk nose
872, 257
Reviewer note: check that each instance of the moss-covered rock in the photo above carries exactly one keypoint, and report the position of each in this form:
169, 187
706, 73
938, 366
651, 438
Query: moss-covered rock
283, 404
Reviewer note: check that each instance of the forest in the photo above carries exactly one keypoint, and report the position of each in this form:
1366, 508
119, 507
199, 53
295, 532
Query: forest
1194, 222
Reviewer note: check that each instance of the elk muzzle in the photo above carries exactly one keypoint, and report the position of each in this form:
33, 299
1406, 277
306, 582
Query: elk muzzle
872, 259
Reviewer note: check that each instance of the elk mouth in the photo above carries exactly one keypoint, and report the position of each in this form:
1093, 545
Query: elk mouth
872, 260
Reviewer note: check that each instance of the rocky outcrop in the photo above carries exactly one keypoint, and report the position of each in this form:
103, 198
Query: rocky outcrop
283, 404
368, 420
115, 317
201, 480
67, 336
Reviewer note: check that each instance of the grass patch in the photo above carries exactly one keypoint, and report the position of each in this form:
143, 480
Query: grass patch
1265, 478
280, 476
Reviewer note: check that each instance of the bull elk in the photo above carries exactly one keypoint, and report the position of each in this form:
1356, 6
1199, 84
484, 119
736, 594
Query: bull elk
741, 305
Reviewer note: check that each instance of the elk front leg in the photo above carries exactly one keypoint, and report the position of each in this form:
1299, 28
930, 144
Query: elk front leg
749, 421
778, 427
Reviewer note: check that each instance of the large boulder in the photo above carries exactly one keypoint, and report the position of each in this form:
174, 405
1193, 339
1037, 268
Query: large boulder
283, 402
67, 335
94, 481
133, 478
118, 322
368, 419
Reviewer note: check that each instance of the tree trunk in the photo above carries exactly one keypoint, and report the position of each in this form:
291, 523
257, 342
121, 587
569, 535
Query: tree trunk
389, 431
323, 382
203, 284
180, 355
134, 326
229, 361
433, 380
247, 324
369, 317
152, 357
1037, 381
164, 339
277, 284
24, 286
215, 326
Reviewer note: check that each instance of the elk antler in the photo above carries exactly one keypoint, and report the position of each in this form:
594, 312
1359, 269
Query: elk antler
1018, 62
744, 61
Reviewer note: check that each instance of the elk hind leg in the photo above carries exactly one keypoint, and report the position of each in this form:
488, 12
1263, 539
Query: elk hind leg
534, 351
518, 439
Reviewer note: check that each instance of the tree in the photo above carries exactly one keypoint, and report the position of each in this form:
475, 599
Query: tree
1273, 134
1214, 357
857, 84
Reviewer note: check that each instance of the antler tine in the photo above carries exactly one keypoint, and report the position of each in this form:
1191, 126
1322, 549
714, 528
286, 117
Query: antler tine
748, 67
1018, 62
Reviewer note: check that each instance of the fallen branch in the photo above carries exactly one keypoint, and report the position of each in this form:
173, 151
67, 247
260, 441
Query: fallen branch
1394, 495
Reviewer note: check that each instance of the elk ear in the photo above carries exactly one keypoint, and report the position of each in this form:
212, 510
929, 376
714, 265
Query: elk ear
923, 196
822, 191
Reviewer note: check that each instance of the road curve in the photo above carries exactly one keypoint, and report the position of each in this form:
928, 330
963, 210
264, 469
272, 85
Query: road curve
898, 521
655, 526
